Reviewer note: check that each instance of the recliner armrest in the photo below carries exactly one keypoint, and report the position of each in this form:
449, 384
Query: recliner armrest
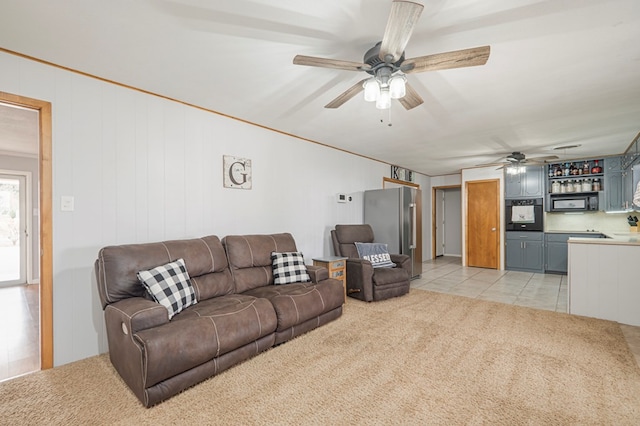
403, 261
317, 273
137, 313
359, 278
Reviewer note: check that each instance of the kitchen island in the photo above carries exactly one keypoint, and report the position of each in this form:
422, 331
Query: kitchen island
604, 277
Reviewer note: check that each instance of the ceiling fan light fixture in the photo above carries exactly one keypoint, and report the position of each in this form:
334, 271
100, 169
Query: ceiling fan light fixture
384, 100
397, 86
516, 169
371, 90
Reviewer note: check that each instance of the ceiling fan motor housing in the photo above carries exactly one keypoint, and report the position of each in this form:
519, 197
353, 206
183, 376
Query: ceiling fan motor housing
372, 59
516, 157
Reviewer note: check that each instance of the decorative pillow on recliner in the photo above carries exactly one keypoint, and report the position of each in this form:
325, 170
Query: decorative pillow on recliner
376, 253
289, 267
170, 286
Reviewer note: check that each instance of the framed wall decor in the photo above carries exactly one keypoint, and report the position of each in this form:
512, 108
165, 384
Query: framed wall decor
399, 173
236, 172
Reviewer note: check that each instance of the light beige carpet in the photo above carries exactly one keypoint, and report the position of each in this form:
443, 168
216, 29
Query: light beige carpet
425, 358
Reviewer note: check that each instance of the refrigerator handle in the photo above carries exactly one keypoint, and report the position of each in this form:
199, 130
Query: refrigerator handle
412, 244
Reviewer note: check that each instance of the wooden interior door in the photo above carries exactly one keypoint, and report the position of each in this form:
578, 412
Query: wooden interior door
483, 223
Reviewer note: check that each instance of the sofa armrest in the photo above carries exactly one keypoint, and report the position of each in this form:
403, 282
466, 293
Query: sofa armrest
360, 279
136, 313
123, 320
402, 261
317, 273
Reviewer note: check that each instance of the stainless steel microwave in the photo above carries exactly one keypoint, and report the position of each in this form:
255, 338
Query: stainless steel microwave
574, 203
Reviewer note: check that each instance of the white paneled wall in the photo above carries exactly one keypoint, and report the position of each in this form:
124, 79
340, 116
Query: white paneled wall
142, 168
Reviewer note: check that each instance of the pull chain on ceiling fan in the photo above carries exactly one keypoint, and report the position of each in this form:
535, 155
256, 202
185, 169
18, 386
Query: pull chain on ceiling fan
387, 65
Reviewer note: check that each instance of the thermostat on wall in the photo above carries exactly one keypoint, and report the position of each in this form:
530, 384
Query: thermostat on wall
343, 198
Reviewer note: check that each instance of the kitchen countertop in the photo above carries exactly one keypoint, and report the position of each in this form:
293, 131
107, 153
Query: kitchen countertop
613, 238
574, 232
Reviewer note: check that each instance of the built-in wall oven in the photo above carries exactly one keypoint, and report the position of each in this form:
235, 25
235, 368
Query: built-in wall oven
524, 215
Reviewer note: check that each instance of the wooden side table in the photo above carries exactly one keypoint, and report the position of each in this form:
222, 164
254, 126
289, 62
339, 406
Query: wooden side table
337, 267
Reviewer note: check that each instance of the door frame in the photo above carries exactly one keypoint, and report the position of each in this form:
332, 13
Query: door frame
434, 216
46, 220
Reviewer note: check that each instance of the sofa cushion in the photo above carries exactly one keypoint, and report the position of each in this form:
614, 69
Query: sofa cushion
289, 267
386, 276
169, 285
250, 257
205, 259
346, 235
298, 302
203, 332
376, 253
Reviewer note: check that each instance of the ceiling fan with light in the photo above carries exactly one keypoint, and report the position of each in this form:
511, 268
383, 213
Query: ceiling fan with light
386, 62
517, 158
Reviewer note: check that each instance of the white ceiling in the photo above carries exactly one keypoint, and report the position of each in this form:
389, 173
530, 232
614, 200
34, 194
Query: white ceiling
560, 72
19, 133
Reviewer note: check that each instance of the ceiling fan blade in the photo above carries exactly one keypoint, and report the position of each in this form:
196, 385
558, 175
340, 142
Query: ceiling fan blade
313, 61
402, 19
545, 158
346, 95
442, 61
411, 99
499, 163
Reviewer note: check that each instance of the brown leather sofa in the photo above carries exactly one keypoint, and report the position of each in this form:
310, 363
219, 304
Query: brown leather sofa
365, 282
239, 312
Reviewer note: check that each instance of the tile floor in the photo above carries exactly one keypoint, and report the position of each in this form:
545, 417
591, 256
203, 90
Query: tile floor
541, 291
19, 330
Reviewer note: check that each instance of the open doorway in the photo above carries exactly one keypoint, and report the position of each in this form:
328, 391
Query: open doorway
447, 221
34, 223
14, 227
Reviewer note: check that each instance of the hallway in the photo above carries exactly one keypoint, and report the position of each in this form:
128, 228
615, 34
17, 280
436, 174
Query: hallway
19, 330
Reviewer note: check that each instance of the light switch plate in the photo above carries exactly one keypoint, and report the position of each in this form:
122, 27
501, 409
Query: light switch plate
67, 203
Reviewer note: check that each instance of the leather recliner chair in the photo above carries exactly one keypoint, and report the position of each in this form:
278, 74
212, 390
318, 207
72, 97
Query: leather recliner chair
365, 282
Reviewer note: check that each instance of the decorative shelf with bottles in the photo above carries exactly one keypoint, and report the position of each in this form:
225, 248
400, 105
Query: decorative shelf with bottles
570, 177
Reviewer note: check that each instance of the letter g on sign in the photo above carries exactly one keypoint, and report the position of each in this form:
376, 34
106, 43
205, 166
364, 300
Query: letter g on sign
236, 172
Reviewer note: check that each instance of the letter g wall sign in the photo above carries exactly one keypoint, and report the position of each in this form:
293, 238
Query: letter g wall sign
237, 172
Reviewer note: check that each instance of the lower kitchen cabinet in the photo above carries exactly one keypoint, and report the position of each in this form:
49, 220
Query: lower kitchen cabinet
524, 251
556, 250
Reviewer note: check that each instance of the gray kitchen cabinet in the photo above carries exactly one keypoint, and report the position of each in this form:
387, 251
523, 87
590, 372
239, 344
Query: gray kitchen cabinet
556, 250
614, 198
529, 184
524, 251
557, 184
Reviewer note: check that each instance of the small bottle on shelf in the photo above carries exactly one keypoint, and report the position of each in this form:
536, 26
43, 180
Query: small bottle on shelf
586, 185
558, 170
596, 169
577, 185
572, 170
596, 185
586, 168
566, 169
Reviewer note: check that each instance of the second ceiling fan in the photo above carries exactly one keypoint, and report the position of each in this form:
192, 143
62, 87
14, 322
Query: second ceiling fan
386, 63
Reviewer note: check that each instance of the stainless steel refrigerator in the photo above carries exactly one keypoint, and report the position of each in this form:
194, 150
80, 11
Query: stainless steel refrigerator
395, 216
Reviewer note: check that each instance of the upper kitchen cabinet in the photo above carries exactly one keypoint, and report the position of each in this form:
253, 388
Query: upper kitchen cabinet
617, 184
529, 184
576, 180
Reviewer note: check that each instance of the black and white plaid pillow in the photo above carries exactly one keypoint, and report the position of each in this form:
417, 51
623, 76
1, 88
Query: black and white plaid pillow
289, 267
170, 286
